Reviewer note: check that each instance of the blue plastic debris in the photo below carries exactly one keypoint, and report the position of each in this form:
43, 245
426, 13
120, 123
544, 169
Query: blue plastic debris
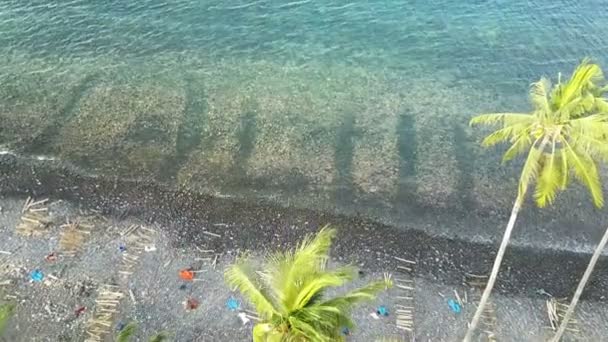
120, 326
345, 331
122, 248
232, 304
183, 287
37, 276
454, 306
382, 311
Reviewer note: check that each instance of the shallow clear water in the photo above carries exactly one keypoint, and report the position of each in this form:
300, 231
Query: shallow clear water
358, 104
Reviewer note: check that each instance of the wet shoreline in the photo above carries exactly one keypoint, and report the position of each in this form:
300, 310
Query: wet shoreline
184, 212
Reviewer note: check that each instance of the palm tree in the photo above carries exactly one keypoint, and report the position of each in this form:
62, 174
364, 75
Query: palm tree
288, 292
579, 289
563, 136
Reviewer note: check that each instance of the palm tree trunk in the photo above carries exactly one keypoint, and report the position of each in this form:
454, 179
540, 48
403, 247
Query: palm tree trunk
581, 287
497, 262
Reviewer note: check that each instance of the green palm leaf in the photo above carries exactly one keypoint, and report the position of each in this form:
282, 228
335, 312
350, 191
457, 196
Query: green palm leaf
320, 282
127, 332
506, 119
160, 337
530, 170
585, 170
584, 77
354, 297
551, 178
307, 260
305, 328
521, 144
539, 95
242, 276
6, 312
601, 103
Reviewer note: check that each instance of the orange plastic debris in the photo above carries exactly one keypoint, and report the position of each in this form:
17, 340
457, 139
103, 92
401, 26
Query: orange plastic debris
186, 274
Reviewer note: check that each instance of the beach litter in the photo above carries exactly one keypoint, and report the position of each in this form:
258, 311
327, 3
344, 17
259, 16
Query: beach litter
52, 257
232, 304
37, 276
79, 311
150, 248
382, 311
244, 318
454, 306
192, 304
186, 274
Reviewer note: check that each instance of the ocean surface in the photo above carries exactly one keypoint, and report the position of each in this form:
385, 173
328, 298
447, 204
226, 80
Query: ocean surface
498, 42
335, 104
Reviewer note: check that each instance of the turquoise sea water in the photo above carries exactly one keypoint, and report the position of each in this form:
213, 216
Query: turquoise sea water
491, 41
324, 103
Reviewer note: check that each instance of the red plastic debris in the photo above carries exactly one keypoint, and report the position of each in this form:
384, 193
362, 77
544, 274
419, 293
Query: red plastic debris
79, 311
186, 274
192, 304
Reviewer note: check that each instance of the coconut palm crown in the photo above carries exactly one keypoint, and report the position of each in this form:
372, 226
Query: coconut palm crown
288, 292
564, 135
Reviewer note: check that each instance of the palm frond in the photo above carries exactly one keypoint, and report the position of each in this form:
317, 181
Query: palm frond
565, 168
242, 276
328, 320
574, 108
504, 135
127, 332
539, 95
530, 169
321, 281
585, 170
366, 293
316, 246
520, 145
325, 320
301, 327
597, 149
6, 312
593, 125
584, 76
602, 105
308, 259
261, 331
550, 179
160, 337
591, 135
506, 119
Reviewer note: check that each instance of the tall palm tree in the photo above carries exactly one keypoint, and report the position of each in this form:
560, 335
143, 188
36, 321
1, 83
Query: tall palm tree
579, 289
563, 136
288, 292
